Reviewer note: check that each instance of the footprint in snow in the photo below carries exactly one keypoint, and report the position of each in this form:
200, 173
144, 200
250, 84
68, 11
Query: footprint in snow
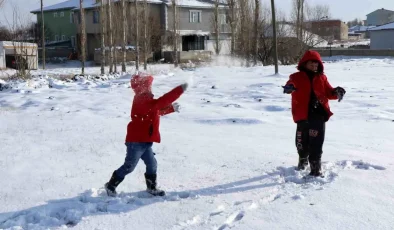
218, 211
235, 217
359, 165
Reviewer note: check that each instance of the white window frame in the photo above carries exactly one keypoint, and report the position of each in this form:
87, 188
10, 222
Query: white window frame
55, 15
56, 38
193, 14
222, 19
62, 14
63, 37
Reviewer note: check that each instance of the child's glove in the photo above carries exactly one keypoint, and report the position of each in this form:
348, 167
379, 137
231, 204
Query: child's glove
176, 107
184, 86
340, 92
288, 89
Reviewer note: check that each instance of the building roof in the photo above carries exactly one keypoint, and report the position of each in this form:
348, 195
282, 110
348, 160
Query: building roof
388, 26
360, 28
382, 9
17, 44
74, 4
70, 4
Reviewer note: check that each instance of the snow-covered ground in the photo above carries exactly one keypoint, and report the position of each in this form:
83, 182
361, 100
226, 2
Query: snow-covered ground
226, 161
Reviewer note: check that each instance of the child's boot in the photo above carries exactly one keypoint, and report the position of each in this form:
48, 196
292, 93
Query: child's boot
302, 163
316, 169
110, 186
151, 185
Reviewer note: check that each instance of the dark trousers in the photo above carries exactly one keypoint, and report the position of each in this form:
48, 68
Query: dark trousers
310, 138
135, 152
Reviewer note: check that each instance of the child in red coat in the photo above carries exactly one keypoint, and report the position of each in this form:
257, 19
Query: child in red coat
311, 92
143, 130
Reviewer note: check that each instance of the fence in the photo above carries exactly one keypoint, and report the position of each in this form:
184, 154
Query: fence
355, 52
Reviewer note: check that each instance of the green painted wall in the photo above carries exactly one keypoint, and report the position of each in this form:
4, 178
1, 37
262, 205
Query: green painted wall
60, 25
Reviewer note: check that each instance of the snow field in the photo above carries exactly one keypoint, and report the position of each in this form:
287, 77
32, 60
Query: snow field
226, 161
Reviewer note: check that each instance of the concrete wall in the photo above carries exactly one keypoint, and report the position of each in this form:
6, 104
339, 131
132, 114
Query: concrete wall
225, 46
382, 39
186, 56
355, 52
55, 52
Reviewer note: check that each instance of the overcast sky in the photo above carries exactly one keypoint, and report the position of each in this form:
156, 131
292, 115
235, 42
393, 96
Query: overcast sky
345, 10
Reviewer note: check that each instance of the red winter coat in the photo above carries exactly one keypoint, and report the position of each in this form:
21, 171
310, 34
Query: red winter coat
301, 96
146, 111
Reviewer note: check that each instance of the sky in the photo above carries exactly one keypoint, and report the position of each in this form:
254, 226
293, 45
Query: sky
346, 10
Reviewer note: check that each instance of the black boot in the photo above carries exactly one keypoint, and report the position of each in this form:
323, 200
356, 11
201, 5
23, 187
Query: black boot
110, 186
151, 185
302, 163
316, 169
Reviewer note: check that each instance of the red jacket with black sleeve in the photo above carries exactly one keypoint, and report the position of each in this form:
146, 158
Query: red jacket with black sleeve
320, 86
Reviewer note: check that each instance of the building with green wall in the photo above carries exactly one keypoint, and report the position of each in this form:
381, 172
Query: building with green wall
59, 21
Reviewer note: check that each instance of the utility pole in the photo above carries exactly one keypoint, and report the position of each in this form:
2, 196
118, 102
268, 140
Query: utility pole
42, 34
83, 36
137, 38
275, 43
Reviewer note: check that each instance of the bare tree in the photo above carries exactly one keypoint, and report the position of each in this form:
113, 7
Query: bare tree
146, 40
274, 36
124, 35
175, 25
318, 12
231, 16
110, 36
42, 31
298, 16
102, 35
245, 28
137, 42
83, 36
25, 55
256, 31
216, 26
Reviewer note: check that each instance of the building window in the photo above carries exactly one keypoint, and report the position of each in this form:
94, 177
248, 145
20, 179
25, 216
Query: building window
193, 42
72, 17
73, 41
56, 37
55, 15
61, 14
195, 16
96, 17
63, 37
222, 19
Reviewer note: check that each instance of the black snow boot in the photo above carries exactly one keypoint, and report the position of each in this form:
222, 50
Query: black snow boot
302, 163
316, 169
151, 185
110, 186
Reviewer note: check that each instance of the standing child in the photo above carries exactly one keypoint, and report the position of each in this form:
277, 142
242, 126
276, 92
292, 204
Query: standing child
143, 130
311, 92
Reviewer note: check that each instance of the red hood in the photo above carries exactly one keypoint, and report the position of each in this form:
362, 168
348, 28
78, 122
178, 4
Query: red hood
311, 56
141, 83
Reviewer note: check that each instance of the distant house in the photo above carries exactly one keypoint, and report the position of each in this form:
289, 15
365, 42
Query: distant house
195, 24
59, 21
329, 29
380, 17
363, 31
382, 37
